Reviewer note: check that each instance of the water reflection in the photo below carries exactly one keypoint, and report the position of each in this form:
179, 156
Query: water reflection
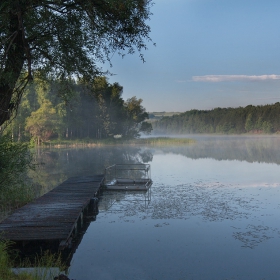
125, 201
242, 148
212, 203
211, 215
213, 211
56, 165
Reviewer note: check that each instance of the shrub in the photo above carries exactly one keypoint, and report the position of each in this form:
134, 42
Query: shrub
15, 160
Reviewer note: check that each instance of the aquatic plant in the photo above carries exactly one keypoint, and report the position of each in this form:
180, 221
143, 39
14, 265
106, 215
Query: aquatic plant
118, 141
162, 141
47, 265
41, 268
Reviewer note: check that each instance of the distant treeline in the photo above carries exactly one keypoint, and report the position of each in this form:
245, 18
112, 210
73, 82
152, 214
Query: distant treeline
47, 112
154, 116
250, 149
251, 119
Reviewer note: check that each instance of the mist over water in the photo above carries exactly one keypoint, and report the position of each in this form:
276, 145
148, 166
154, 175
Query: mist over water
213, 211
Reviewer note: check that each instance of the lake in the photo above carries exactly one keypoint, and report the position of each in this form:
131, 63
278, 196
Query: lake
213, 211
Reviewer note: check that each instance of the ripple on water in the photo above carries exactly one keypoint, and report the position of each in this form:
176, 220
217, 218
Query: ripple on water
213, 202
255, 234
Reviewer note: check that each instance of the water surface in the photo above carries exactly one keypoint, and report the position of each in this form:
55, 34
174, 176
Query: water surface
213, 212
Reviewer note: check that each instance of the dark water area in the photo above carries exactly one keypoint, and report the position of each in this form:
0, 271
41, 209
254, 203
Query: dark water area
213, 211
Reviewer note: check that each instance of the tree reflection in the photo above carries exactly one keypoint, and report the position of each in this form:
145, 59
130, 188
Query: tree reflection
250, 149
55, 166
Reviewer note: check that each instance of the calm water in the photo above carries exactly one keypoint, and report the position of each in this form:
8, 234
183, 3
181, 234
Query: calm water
213, 212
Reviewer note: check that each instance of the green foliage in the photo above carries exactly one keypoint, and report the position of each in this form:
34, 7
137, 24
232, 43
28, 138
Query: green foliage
251, 119
15, 160
62, 39
41, 265
6, 264
267, 127
43, 123
98, 112
249, 124
4, 261
135, 119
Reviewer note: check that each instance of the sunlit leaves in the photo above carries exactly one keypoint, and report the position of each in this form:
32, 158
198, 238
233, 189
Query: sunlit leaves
66, 38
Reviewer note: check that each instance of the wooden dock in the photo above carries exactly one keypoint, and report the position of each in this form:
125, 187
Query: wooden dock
128, 185
55, 216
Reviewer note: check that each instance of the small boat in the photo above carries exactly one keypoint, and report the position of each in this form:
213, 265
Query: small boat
128, 177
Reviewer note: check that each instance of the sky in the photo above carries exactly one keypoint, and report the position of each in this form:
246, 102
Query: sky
208, 54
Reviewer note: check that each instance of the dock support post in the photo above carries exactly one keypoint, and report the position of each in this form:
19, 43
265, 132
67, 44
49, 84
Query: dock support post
93, 205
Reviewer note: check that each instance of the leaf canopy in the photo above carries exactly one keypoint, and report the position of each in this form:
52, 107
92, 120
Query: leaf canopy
65, 38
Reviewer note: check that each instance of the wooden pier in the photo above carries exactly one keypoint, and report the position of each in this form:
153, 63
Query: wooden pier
55, 216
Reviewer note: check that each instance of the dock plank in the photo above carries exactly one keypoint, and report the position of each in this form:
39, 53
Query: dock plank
54, 215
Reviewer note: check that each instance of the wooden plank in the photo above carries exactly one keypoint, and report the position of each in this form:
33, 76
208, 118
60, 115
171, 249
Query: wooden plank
54, 215
127, 188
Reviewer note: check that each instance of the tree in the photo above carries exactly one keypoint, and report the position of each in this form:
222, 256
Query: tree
46, 121
249, 124
111, 106
136, 115
261, 119
43, 123
43, 114
64, 38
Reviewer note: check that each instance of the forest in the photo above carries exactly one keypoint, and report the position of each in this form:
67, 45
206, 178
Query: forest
249, 119
72, 110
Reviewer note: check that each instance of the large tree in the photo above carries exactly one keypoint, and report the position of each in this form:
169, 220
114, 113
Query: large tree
64, 38
135, 120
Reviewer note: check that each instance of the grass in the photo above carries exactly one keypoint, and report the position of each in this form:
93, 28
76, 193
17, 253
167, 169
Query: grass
111, 141
41, 266
162, 141
6, 265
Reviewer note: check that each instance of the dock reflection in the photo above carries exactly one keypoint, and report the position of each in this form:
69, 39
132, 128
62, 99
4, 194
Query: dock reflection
115, 199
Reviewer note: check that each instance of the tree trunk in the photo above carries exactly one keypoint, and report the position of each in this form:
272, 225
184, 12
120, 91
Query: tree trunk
14, 61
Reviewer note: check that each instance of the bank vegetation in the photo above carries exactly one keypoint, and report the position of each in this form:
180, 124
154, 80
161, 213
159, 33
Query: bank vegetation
250, 119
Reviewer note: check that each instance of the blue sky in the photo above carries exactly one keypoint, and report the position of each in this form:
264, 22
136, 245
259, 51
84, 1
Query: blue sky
208, 54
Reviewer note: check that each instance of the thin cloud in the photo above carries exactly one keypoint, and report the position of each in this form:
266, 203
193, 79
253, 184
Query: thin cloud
268, 98
230, 78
